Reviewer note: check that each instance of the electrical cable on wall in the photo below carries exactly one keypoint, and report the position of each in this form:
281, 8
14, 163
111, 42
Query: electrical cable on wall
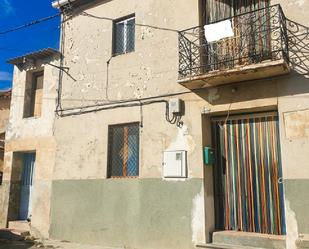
59, 89
66, 11
172, 120
141, 115
107, 78
128, 101
135, 24
97, 107
65, 70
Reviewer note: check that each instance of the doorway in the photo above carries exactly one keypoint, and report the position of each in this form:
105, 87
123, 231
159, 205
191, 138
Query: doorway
28, 167
252, 26
248, 174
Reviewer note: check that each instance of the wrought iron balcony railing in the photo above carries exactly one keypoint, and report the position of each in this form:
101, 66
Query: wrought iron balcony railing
259, 36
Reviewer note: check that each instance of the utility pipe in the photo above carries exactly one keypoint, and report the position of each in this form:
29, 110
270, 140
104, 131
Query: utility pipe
60, 3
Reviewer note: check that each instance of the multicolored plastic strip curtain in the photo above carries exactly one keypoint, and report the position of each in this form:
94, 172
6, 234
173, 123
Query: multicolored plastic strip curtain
252, 183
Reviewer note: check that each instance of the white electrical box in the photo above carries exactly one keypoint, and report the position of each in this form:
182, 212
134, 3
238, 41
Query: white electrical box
175, 105
175, 164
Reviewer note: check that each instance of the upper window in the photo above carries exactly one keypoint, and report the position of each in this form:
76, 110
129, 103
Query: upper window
33, 94
123, 150
124, 36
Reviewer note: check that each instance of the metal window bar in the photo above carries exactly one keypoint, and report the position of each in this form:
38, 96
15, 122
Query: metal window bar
123, 151
260, 35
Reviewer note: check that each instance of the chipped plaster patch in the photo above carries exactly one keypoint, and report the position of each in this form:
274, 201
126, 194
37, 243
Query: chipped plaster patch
51, 86
296, 124
146, 32
92, 61
55, 72
183, 141
213, 94
197, 222
75, 59
292, 228
298, 2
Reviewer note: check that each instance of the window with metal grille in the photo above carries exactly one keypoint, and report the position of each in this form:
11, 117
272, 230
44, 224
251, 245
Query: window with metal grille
123, 150
124, 35
33, 94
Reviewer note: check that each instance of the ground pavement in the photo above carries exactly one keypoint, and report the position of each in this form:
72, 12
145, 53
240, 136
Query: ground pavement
9, 240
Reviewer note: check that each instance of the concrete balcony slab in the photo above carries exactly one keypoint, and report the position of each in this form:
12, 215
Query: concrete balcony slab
248, 73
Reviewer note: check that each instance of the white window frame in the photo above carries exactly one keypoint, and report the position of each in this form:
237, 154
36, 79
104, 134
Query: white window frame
125, 31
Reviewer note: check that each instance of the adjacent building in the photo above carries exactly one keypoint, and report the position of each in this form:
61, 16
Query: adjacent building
5, 100
171, 124
30, 144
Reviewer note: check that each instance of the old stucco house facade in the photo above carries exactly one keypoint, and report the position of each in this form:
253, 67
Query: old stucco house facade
169, 134
140, 163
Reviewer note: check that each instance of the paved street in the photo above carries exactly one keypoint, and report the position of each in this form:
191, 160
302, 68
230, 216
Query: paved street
8, 240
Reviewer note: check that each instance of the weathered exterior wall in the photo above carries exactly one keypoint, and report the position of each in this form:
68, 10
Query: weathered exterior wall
138, 74
124, 212
4, 111
81, 157
32, 134
294, 108
157, 209
5, 101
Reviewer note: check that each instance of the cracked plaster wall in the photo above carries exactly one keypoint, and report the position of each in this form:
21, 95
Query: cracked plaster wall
152, 70
33, 134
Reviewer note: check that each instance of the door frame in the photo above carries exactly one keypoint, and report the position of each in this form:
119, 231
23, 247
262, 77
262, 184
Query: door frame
23, 188
217, 185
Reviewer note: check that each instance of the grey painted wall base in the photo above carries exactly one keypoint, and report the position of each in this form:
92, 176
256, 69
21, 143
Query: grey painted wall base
297, 194
303, 243
137, 213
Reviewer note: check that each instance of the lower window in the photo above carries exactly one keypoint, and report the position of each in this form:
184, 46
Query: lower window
123, 150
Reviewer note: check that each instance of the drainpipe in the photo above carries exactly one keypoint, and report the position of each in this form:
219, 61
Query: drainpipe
60, 3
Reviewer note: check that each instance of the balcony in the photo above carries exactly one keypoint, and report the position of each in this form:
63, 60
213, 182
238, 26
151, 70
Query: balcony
258, 49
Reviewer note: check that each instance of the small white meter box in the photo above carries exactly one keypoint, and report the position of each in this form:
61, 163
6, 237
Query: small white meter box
175, 164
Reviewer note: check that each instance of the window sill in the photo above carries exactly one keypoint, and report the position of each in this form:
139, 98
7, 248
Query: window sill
123, 177
118, 54
29, 118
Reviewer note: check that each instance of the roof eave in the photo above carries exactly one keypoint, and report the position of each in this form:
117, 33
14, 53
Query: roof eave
61, 3
41, 54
